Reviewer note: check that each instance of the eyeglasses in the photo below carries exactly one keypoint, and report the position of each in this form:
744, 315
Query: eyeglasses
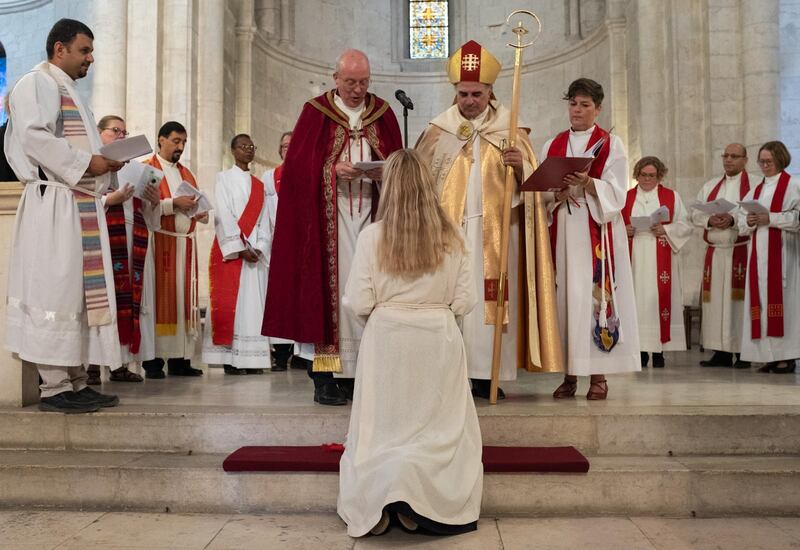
247, 147
765, 162
732, 156
118, 131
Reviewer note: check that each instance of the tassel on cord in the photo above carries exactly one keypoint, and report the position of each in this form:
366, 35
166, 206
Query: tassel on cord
327, 363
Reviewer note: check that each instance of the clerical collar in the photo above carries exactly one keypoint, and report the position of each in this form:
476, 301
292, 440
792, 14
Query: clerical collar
240, 170
162, 161
582, 132
734, 177
352, 111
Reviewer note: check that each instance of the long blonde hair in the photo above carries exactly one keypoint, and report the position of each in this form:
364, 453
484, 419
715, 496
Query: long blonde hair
416, 233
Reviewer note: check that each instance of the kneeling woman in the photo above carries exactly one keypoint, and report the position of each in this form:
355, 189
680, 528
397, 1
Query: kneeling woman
414, 446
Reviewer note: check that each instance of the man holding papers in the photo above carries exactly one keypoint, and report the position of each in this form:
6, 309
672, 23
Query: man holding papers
725, 263
130, 220
771, 325
465, 147
596, 307
238, 268
175, 254
655, 261
325, 203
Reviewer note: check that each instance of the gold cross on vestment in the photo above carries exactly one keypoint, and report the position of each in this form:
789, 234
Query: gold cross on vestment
356, 133
739, 271
665, 314
664, 277
707, 275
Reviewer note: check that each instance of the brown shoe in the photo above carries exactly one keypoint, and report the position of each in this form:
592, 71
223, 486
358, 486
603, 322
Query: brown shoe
93, 375
598, 390
566, 389
122, 374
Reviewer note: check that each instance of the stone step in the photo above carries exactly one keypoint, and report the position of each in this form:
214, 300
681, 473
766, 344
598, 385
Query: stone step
597, 431
701, 486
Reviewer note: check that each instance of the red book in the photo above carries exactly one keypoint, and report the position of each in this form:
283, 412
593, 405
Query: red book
549, 176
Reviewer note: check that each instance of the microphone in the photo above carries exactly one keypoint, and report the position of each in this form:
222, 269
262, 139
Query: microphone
404, 100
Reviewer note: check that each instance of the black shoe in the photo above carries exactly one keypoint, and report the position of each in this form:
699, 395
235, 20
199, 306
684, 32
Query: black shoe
67, 402
278, 368
658, 360
282, 355
347, 387
482, 388
154, 369
645, 358
788, 369
296, 362
230, 370
719, 359
100, 399
329, 394
254, 371
739, 364
182, 367
767, 367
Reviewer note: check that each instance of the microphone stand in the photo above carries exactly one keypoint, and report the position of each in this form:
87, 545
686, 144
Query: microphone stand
405, 126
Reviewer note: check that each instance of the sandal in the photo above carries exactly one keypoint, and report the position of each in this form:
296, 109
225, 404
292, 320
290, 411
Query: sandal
124, 375
598, 390
566, 389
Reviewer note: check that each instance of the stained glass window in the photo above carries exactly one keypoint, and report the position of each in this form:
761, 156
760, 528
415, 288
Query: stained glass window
428, 29
2, 86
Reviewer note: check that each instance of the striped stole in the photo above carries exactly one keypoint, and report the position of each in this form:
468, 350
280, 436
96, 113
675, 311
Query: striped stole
98, 309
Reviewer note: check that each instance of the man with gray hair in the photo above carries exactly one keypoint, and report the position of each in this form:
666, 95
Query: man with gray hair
327, 198
725, 263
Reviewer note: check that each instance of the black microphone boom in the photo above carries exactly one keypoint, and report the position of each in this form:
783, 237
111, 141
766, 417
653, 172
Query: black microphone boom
404, 100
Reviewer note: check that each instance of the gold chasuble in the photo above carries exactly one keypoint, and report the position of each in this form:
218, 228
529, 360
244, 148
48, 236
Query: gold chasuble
447, 145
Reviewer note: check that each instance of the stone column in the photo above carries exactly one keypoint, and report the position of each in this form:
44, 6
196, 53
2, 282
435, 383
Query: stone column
761, 68
208, 134
110, 41
179, 64
286, 22
245, 30
143, 104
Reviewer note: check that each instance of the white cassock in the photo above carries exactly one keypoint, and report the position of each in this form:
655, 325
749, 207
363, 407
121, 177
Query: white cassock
574, 266
147, 320
354, 213
272, 211
414, 434
722, 315
768, 349
478, 336
46, 321
645, 274
249, 350
180, 345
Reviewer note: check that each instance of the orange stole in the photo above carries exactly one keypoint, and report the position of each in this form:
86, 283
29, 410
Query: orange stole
166, 263
224, 276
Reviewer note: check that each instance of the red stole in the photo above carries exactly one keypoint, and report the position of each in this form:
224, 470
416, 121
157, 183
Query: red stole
128, 272
165, 262
224, 275
666, 197
276, 176
774, 269
739, 267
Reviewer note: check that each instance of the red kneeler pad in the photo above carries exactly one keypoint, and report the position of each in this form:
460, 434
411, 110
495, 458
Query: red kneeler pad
325, 458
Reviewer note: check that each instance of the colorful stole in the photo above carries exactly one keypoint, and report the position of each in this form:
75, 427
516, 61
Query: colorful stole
128, 271
604, 339
276, 176
739, 268
224, 275
774, 269
166, 248
666, 197
98, 309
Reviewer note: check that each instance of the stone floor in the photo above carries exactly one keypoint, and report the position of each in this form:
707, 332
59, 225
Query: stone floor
133, 531
682, 383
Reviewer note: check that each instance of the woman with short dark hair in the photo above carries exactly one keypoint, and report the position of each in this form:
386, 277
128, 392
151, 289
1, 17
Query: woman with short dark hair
770, 215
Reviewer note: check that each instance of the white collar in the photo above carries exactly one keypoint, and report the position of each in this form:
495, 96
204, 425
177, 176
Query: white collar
582, 132
162, 161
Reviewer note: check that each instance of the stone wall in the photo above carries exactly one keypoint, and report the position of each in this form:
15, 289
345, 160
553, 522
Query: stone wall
790, 78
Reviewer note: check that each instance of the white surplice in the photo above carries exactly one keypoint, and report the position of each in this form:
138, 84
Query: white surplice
722, 316
249, 350
645, 274
414, 434
46, 310
180, 345
272, 211
574, 265
767, 349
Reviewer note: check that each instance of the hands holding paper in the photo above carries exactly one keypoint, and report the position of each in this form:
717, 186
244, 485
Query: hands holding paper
184, 204
100, 165
761, 218
348, 171
720, 221
581, 179
120, 195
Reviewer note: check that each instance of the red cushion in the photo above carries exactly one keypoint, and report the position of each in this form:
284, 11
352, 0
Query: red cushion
320, 459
